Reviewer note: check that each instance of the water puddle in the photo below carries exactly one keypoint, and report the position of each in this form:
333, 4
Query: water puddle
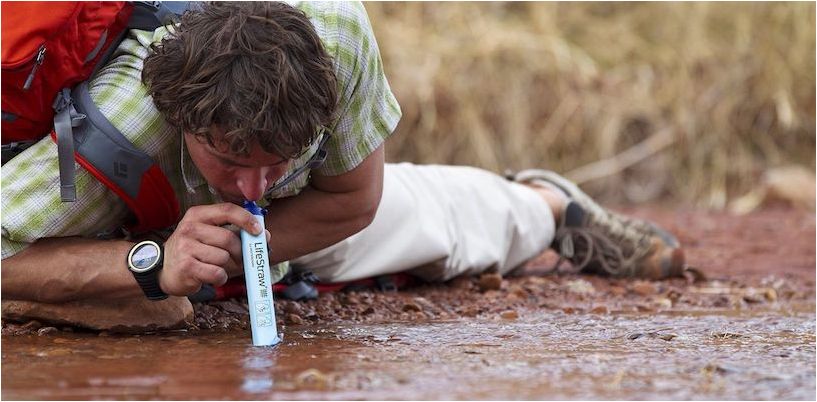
541, 355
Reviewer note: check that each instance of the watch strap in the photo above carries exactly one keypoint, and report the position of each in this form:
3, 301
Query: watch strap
149, 282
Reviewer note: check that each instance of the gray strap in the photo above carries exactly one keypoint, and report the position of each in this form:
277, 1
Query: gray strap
149, 15
103, 146
65, 119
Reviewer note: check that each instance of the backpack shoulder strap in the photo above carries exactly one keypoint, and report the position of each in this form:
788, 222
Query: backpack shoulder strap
129, 172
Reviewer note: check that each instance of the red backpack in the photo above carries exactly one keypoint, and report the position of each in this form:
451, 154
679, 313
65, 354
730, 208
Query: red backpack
48, 50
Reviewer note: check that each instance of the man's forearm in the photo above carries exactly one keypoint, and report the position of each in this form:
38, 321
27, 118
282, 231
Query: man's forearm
314, 220
70, 268
330, 210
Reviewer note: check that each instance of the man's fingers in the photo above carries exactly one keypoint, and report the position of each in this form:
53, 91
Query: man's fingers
217, 236
222, 214
209, 273
211, 255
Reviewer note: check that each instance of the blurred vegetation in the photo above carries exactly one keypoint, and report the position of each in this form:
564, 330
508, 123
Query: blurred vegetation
681, 101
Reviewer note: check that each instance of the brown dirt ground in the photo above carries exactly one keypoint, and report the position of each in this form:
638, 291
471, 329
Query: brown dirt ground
753, 261
750, 261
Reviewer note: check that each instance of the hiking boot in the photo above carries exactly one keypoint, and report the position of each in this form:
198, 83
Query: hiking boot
599, 241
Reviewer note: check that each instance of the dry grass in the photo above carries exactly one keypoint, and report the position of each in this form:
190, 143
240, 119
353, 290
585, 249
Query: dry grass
721, 90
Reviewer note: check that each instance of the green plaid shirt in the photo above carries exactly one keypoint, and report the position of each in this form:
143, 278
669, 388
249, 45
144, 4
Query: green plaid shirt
31, 207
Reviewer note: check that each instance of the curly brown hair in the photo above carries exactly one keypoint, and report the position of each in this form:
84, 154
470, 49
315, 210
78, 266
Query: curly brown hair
255, 70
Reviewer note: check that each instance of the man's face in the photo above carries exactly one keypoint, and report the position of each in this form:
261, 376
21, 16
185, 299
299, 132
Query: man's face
236, 178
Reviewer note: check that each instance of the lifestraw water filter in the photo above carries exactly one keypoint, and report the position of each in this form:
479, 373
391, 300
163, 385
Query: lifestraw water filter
259, 284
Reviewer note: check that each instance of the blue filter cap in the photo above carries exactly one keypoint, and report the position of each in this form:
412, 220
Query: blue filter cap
254, 208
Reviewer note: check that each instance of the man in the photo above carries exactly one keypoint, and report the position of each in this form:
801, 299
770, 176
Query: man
239, 97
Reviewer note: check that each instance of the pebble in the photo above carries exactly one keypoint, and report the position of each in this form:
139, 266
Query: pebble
32, 325
618, 290
312, 378
412, 306
509, 315
644, 288
292, 307
490, 281
233, 307
663, 302
770, 295
461, 282
519, 292
673, 295
294, 319
580, 286
469, 311
600, 310
46, 331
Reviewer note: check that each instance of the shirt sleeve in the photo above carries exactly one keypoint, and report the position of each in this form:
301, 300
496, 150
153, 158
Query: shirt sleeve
367, 110
32, 207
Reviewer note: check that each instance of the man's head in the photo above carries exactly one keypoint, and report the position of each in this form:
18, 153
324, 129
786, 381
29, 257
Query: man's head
249, 81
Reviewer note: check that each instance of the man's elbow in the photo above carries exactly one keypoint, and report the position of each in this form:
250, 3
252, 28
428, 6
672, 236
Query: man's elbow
366, 209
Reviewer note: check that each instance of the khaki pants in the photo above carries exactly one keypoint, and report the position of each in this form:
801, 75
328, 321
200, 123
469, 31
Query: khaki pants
438, 222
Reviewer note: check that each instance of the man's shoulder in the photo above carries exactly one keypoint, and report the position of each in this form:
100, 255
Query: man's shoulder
117, 90
340, 24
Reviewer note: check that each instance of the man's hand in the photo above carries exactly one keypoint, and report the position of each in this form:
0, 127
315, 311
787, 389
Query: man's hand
201, 251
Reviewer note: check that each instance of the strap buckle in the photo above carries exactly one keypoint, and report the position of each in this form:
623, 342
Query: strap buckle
66, 118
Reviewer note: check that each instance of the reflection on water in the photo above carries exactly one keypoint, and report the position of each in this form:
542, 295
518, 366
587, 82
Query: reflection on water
542, 355
256, 367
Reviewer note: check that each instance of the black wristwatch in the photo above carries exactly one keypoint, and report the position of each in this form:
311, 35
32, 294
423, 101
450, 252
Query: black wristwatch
144, 262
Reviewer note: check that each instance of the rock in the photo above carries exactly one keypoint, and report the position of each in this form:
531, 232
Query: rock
653, 334
411, 306
313, 379
770, 295
519, 292
118, 315
294, 319
426, 305
32, 325
461, 282
618, 290
469, 311
509, 315
293, 307
599, 310
644, 288
232, 307
47, 330
490, 281
663, 302
673, 295
580, 286
754, 298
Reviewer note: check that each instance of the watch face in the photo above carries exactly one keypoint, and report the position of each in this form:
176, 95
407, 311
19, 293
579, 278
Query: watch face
144, 257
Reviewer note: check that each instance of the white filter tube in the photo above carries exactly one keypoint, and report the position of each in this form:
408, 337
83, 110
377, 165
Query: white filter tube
259, 285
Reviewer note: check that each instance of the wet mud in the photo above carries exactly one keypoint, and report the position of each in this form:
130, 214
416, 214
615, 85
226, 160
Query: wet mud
746, 331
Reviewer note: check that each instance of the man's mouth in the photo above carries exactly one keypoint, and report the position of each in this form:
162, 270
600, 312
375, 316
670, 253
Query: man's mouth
233, 199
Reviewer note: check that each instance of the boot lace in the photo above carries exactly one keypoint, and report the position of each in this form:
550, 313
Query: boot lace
615, 243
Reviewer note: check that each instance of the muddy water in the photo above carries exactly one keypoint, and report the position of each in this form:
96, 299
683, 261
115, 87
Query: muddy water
541, 355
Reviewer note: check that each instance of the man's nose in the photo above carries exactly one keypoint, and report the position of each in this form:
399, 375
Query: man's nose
252, 183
